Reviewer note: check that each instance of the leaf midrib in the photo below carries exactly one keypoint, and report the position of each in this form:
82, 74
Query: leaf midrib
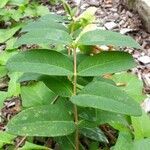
99, 65
97, 96
36, 122
50, 65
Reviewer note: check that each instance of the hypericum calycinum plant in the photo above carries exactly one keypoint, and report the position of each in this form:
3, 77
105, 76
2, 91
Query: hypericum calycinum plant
79, 97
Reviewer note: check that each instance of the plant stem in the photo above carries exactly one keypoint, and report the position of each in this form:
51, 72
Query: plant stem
21, 141
74, 93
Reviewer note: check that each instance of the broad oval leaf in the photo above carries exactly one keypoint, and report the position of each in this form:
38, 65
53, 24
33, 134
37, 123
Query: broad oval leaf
43, 24
94, 134
45, 36
103, 117
141, 126
124, 142
3, 71
105, 62
104, 37
36, 94
3, 96
142, 144
52, 17
66, 142
104, 96
5, 34
46, 121
6, 138
132, 85
59, 85
41, 61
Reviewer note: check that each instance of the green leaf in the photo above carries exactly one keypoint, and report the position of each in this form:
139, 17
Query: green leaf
141, 126
99, 117
41, 61
103, 37
3, 71
104, 80
124, 142
105, 62
10, 44
5, 34
59, 85
96, 95
13, 86
18, 2
42, 10
36, 94
30, 146
132, 85
66, 142
6, 138
30, 77
43, 24
103, 117
3, 3
5, 55
46, 121
45, 36
94, 134
3, 96
143, 144
51, 17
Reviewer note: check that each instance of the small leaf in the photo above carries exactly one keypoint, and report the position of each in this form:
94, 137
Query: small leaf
141, 126
3, 3
29, 145
41, 61
5, 34
18, 2
132, 85
143, 144
104, 37
105, 62
43, 24
13, 86
59, 85
99, 117
95, 95
46, 121
66, 142
45, 36
94, 134
5, 55
124, 142
6, 138
42, 10
36, 94
3, 71
3, 96
51, 17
